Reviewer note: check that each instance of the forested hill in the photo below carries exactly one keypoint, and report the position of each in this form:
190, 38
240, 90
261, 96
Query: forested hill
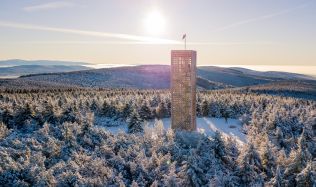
145, 77
295, 88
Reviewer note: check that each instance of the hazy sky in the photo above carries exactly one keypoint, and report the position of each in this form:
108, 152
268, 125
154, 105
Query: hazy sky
251, 32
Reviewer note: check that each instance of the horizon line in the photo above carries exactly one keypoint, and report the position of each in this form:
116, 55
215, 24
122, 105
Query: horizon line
203, 64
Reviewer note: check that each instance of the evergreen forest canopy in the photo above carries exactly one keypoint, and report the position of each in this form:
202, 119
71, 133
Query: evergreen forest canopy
51, 137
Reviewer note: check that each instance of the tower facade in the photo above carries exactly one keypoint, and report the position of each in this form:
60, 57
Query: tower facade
183, 90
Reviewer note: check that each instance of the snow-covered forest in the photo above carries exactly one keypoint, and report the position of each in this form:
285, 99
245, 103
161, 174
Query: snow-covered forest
56, 138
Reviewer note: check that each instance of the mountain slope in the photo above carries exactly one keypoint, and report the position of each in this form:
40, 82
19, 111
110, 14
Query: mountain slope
122, 77
35, 69
232, 77
291, 88
210, 85
275, 74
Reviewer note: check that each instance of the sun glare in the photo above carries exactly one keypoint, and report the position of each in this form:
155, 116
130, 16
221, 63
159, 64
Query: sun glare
154, 23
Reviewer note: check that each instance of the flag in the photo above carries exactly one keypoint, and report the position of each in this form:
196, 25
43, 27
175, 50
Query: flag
184, 36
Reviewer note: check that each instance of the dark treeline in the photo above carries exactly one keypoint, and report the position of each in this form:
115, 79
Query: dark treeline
49, 137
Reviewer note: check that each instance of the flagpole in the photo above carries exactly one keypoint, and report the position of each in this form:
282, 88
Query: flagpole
185, 41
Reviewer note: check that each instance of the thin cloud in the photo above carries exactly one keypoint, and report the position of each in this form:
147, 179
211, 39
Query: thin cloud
153, 43
48, 6
264, 17
127, 39
88, 33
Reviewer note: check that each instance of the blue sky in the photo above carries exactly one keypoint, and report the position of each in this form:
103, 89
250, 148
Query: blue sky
247, 32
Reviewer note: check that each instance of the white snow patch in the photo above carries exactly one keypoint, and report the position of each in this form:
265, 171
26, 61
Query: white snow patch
232, 127
207, 126
117, 129
113, 126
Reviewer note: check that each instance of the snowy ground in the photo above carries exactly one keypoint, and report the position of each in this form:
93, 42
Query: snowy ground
230, 128
204, 125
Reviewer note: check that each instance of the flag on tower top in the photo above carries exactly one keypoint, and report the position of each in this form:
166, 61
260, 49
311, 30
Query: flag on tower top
184, 36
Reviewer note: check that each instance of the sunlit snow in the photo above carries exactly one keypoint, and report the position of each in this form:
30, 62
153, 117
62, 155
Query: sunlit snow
205, 126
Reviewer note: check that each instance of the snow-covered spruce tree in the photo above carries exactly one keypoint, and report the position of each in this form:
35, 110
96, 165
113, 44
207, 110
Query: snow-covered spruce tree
161, 110
68, 115
307, 177
232, 148
195, 171
277, 180
198, 109
215, 110
268, 161
219, 146
48, 113
7, 117
205, 108
94, 106
310, 139
107, 110
145, 112
135, 124
280, 137
3, 130
298, 160
170, 178
23, 115
70, 132
154, 184
250, 166
134, 184
87, 122
126, 111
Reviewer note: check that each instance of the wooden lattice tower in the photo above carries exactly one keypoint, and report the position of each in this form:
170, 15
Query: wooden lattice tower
183, 90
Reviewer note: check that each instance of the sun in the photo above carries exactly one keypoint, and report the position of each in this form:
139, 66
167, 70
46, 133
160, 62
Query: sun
154, 23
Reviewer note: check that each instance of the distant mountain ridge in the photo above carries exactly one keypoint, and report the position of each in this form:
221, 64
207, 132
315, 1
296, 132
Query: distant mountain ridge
145, 77
36, 69
18, 62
